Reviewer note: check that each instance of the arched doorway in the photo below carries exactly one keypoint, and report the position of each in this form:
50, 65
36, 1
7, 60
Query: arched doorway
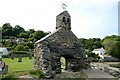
63, 61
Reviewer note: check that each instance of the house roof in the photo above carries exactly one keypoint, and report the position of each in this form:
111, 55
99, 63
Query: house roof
99, 49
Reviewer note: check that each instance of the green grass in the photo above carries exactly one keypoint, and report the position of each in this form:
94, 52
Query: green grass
25, 67
14, 65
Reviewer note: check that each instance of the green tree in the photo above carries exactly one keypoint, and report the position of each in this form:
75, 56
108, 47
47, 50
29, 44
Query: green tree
31, 49
91, 43
112, 45
38, 34
20, 48
30, 32
18, 30
91, 54
7, 30
30, 45
24, 35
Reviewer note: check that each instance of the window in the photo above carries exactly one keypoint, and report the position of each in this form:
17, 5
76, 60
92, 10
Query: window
68, 20
63, 19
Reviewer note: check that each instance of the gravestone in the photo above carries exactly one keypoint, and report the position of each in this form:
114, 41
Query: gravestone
60, 43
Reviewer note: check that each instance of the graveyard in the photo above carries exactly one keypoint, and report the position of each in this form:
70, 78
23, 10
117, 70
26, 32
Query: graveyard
25, 69
59, 54
14, 65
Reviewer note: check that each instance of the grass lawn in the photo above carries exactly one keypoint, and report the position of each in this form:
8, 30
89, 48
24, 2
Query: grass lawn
26, 67
14, 65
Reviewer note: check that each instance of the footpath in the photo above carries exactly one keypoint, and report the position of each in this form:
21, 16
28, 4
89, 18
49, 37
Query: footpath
69, 74
95, 74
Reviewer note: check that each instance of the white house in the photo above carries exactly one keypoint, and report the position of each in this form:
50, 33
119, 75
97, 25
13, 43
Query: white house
103, 56
3, 51
99, 51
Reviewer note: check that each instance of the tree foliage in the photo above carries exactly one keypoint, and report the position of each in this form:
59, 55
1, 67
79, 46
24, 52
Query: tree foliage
24, 35
91, 43
7, 30
30, 45
39, 34
13, 36
18, 30
93, 55
21, 48
112, 45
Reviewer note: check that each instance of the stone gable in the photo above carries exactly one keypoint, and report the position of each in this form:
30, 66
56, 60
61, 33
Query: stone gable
60, 43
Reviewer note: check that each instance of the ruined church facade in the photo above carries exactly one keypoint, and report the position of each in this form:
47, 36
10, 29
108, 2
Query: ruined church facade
61, 43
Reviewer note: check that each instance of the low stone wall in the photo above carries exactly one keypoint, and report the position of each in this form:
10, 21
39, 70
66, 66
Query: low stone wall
115, 73
111, 59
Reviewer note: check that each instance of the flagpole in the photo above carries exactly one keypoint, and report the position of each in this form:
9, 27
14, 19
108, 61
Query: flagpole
64, 6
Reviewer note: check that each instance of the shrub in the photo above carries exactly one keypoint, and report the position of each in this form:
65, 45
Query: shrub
37, 73
19, 52
9, 77
115, 65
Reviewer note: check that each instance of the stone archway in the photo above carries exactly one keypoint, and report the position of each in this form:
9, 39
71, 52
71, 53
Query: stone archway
63, 63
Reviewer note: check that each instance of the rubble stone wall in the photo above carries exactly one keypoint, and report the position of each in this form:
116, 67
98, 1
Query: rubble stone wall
60, 43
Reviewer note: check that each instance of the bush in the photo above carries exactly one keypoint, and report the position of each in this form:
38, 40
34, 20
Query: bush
16, 74
9, 48
9, 77
19, 52
115, 65
37, 73
21, 47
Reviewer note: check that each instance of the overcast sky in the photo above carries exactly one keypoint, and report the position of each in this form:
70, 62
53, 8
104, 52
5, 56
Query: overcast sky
90, 18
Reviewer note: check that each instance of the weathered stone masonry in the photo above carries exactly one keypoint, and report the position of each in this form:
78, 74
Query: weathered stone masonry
61, 43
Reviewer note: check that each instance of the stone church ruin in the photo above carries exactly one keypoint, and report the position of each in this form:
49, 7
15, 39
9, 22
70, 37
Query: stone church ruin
61, 43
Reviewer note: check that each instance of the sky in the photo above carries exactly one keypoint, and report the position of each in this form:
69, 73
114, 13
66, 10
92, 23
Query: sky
89, 18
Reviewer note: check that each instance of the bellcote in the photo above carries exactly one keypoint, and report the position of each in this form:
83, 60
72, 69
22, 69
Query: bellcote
63, 20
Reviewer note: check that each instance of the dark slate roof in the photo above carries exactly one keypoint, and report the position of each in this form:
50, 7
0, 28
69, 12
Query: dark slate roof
47, 36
